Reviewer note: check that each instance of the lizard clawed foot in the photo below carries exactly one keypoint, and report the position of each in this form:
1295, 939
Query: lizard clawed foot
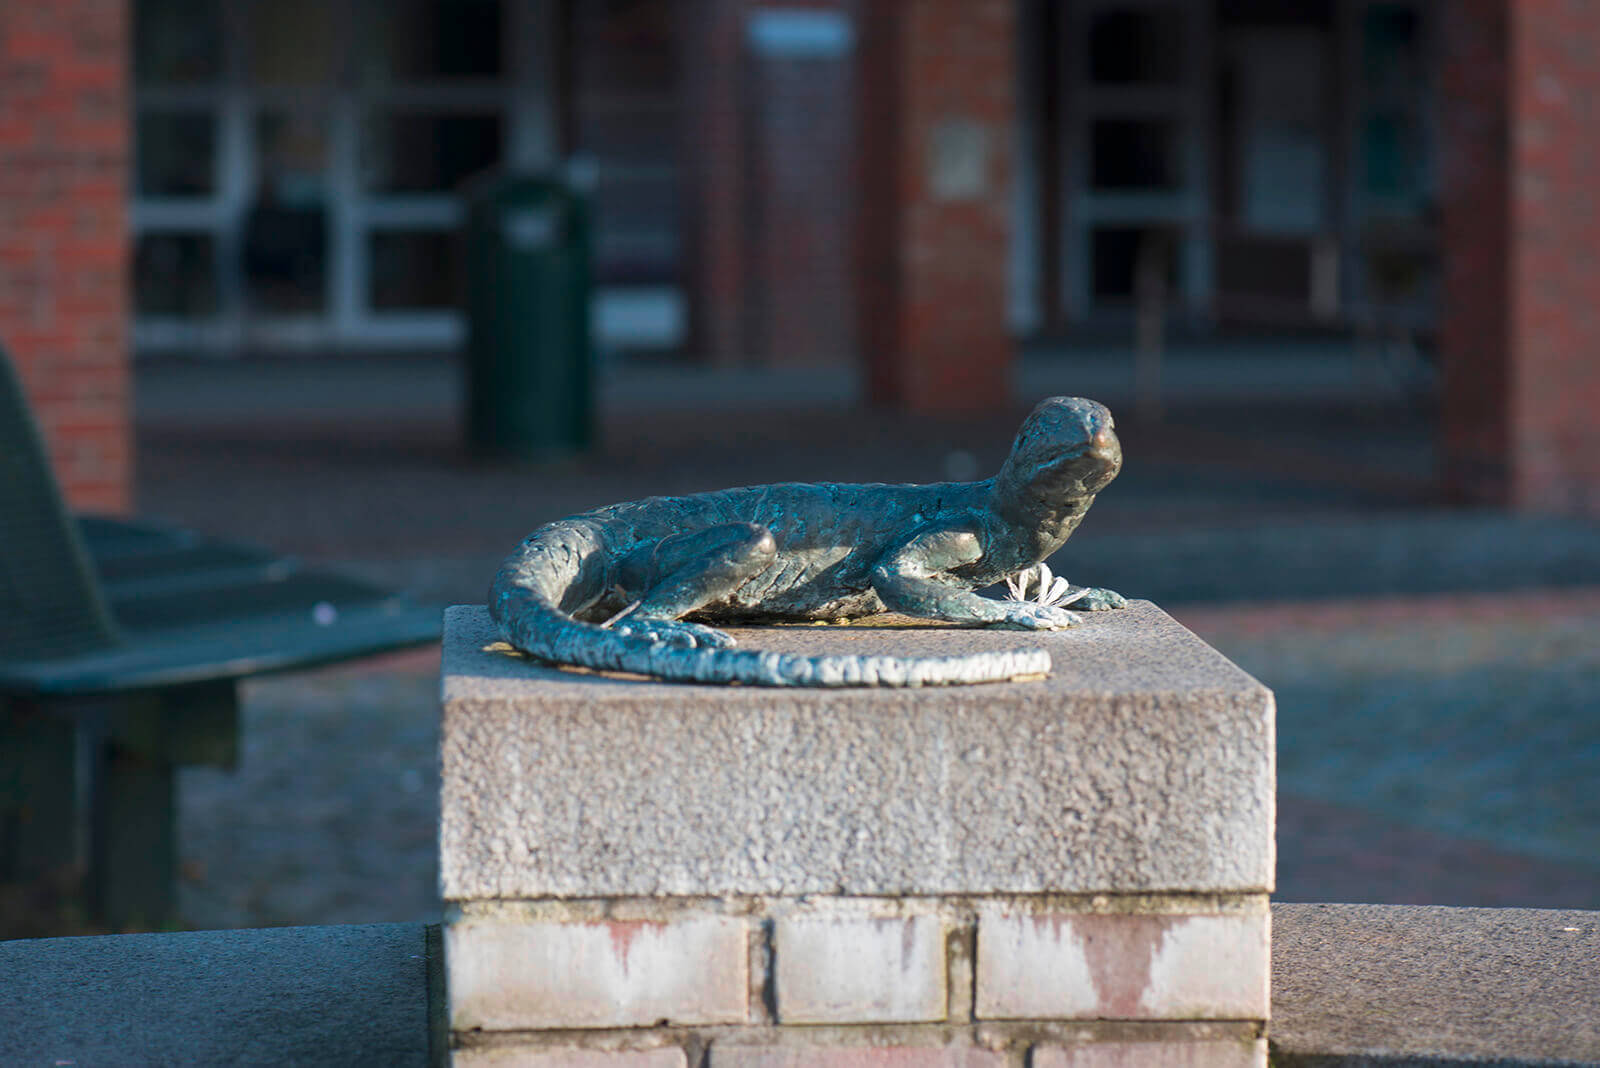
1027, 615
675, 633
1098, 600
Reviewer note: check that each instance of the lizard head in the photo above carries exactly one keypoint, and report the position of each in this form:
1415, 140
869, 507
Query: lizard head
1067, 449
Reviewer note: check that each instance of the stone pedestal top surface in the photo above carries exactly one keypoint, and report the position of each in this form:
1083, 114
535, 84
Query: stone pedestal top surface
1143, 763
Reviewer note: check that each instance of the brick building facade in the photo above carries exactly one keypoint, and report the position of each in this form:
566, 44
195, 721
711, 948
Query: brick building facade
901, 183
1521, 210
64, 153
935, 185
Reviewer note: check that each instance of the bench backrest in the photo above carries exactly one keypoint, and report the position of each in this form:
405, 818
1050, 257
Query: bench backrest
50, 599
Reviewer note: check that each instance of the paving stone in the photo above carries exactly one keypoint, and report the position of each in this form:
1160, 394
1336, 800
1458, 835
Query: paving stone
1123, 965
1144, 762
351, 995
507, 975
1182, 1054
841, 966
1427, 987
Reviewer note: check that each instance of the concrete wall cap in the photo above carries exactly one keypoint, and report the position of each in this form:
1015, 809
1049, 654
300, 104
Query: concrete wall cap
1143, 764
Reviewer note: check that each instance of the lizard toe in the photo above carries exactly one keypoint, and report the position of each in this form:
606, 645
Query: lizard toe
677, 634
1098, 600
711, 637
1024, 615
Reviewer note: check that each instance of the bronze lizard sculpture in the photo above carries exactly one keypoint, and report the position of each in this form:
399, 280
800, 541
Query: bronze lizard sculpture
631, 587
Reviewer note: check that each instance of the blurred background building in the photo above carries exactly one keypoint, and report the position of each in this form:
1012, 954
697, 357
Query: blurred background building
299, 164
908, 186
249, 212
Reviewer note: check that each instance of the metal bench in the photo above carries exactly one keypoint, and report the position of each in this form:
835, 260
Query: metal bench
121, 645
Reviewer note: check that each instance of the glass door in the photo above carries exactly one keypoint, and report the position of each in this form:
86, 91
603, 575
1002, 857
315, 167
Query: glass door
1137, 183
300, 163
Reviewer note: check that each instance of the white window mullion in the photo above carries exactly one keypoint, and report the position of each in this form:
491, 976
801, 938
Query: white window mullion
417, 212
1187, 105
348, 268
1077, 279
235, 174
1198, 245
236, 168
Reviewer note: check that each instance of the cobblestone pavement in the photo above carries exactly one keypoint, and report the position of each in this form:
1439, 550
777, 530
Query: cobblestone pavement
1436, 750
332, 813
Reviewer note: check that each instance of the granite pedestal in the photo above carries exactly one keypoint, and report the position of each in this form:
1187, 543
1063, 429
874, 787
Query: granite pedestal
646, 871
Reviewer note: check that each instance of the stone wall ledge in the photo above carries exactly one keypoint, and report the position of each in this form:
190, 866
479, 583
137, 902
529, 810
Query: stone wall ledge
1425, 987
1353, 985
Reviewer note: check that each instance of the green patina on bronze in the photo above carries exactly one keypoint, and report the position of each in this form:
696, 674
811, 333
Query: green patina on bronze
631, 587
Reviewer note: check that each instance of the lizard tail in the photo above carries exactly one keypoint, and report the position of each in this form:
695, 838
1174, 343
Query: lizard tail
527, 598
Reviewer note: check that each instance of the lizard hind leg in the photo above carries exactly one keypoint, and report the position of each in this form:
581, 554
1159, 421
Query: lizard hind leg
688, 571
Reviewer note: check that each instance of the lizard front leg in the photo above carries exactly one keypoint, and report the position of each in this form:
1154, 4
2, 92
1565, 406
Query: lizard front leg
688, 571
910, 580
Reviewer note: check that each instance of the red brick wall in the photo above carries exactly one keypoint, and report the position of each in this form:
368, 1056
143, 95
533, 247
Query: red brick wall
767, 192
64, 151
1520, 339
933, 261
713, 116
1555, 211
800, 289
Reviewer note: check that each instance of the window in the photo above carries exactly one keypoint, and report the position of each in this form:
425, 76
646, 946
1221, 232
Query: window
1136, 47
412, 41
293, 43
177, 42
175, 274
428, 153
176, 154
413, 270
1117, 250
299, 165
1135, 154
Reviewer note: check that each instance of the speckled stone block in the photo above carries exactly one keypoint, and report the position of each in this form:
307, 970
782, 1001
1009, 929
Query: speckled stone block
1143, 763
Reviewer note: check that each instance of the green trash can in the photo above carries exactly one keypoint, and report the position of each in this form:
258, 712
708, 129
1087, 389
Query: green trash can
529, 368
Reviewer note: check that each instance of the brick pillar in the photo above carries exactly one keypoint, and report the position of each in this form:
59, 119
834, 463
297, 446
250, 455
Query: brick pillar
1520, 201
716, 262
64, 150
933, 224
799, 159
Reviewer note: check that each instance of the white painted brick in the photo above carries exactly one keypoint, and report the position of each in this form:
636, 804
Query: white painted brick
844, 966
1127, 966
567, 1057
508, 975
1247, 1054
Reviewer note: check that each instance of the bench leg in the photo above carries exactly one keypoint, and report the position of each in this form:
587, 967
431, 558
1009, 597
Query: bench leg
133, 834
133, 840
38, 792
